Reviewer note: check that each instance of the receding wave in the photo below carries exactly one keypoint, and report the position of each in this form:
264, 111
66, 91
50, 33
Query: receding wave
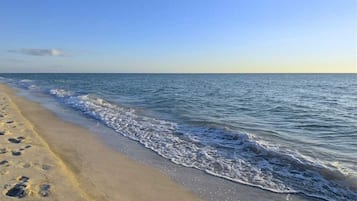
239, 157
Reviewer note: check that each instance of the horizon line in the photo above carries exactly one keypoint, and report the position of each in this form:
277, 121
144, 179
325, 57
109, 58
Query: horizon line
176, 73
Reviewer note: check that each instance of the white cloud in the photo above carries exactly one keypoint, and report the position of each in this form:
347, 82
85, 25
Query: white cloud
39, 52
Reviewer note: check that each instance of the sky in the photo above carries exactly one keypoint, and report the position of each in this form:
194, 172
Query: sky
185, 36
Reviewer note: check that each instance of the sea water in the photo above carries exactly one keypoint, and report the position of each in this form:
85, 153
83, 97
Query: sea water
285, 133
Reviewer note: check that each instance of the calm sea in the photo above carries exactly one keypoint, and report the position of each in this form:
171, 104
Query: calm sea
286, 133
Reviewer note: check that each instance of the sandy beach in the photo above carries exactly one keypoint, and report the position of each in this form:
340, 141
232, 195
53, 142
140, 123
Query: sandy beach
45, 158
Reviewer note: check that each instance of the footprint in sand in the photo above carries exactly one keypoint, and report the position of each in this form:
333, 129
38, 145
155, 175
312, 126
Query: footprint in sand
15, 153
44, 190
26, 165
19, 189
4, 172
2, 132
46, 167
4, 163
19, 151
24, 148
3, 150
16, 140
9, 121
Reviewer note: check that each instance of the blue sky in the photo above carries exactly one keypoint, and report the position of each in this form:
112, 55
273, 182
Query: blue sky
238, 36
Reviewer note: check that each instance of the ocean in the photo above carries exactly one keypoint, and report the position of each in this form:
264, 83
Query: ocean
284, 133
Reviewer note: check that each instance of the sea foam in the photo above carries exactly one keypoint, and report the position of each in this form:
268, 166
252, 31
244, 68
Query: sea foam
240, 157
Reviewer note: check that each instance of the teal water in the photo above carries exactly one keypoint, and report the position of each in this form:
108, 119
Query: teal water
286, 133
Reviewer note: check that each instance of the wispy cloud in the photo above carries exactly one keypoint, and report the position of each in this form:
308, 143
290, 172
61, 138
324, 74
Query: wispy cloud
39, 52
12, 60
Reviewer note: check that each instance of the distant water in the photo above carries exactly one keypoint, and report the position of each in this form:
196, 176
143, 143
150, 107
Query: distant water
284, 133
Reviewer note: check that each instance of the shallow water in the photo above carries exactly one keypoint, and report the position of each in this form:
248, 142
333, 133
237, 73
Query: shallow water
283, 133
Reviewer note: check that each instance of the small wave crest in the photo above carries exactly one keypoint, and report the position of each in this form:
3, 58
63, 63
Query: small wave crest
61, 93
239, 157
5, 80
24, 83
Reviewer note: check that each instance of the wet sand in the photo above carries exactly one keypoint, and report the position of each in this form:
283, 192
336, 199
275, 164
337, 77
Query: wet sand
45, 158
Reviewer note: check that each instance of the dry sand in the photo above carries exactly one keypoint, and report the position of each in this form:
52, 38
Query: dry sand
45, 158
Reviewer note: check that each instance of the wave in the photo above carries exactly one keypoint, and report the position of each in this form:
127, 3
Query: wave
5, 80
61, 93
24, 83
240, 157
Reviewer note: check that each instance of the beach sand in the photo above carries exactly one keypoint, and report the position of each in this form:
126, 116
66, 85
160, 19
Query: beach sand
45, 158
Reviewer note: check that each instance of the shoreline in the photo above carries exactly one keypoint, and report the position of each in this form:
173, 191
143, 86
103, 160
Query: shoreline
196, 182
93, 168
